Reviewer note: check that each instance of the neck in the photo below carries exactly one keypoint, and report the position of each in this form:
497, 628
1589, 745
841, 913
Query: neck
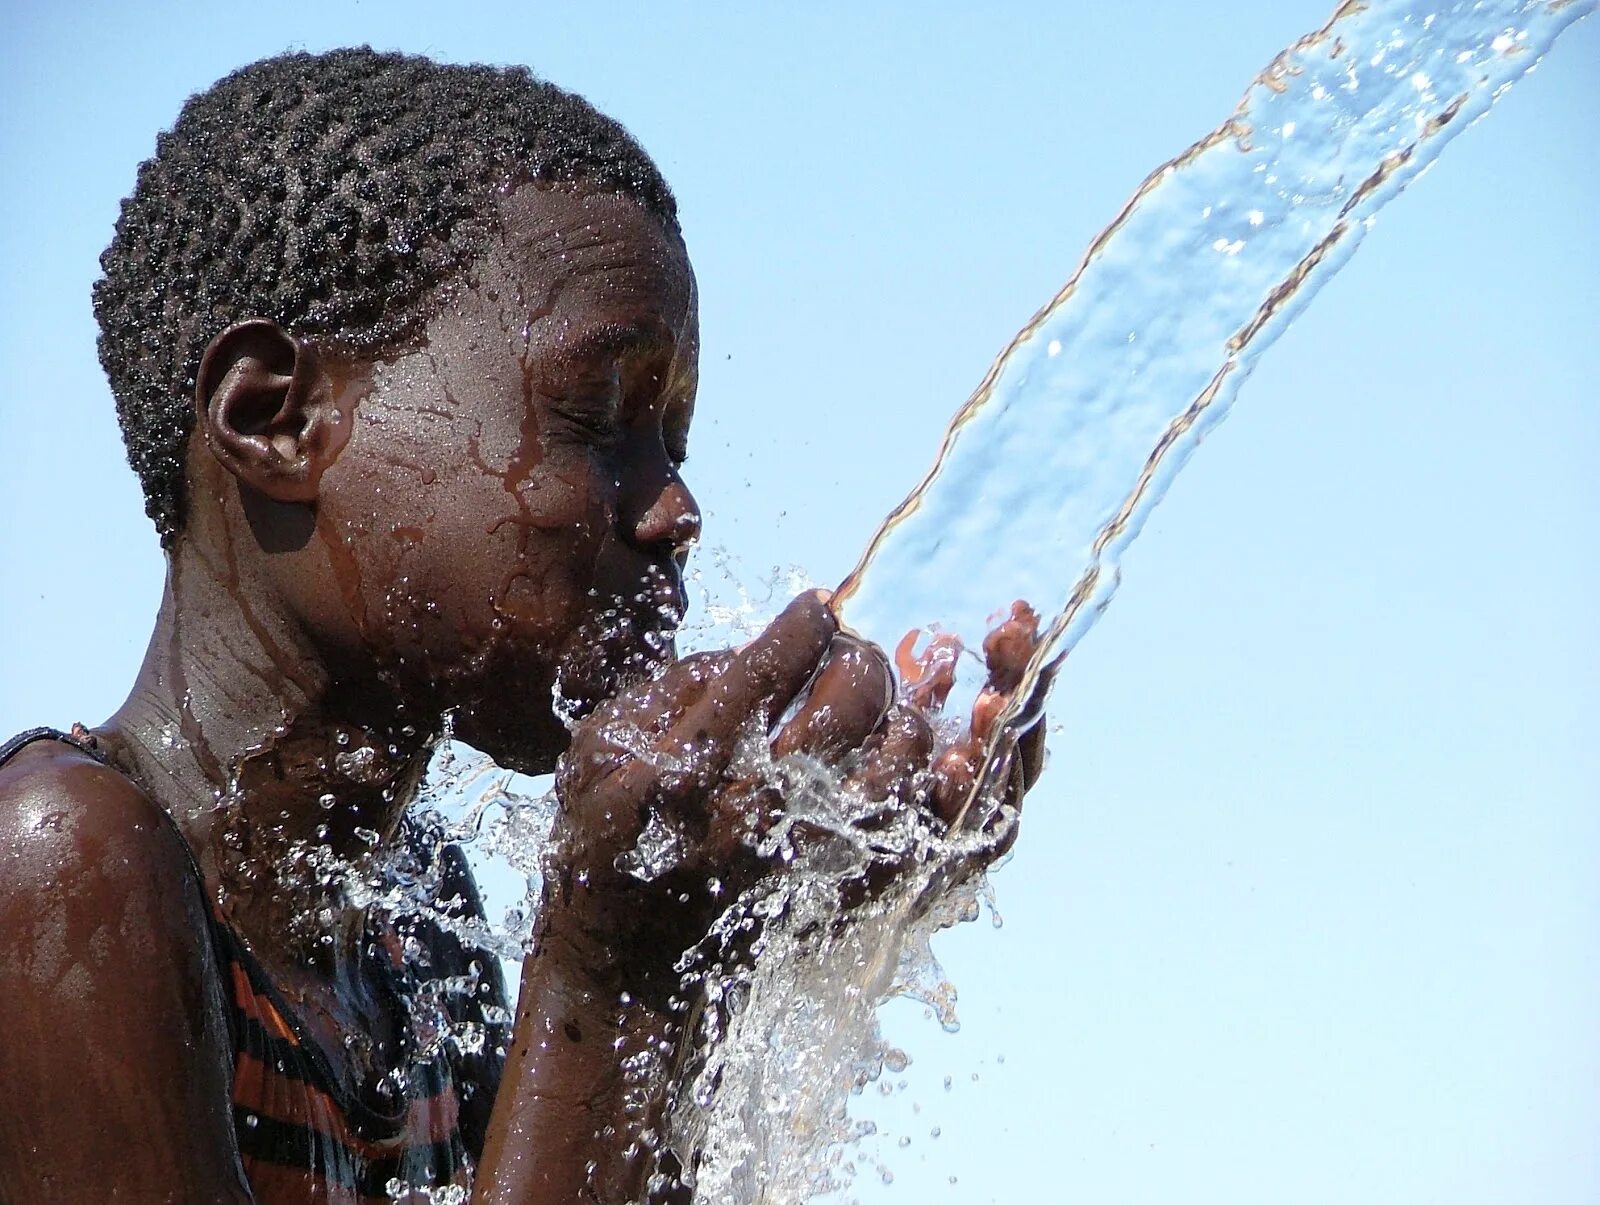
272, 767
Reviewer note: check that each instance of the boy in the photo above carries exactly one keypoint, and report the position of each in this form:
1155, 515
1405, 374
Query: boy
404, 356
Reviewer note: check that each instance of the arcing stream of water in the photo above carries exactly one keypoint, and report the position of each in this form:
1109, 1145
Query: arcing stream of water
1046, 474
1051, 467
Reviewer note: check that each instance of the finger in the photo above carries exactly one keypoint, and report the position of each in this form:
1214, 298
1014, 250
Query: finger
763, 677
986, 710
997, 810
894, 755
1007, 651
1032, 728
1030, 755
847, 701
655, 704
1008, 648
955, 773
957, 796
1004, 823
634, 724
926, 677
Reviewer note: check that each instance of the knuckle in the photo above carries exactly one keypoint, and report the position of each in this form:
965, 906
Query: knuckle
914, 729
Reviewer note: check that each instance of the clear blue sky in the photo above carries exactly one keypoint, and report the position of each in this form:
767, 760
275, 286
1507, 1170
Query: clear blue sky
1308, 908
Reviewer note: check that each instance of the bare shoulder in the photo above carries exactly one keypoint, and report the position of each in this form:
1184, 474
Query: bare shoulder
113, 1028
70, 824
97, 890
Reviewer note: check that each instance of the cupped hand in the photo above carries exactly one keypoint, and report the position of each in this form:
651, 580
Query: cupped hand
1018, 750
666, 799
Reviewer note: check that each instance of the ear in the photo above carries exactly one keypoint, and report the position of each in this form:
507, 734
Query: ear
269, 410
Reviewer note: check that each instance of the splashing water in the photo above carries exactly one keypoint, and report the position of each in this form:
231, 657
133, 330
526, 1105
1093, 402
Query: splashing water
790, 982
1050, 469
724, 608
502, 820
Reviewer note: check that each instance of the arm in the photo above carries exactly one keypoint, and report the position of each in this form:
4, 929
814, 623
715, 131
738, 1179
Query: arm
597, 1030
587, 1078
113, 1041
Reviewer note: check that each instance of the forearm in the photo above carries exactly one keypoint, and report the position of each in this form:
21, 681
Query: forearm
580, 1110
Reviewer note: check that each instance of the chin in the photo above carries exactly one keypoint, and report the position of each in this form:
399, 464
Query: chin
525, 748
522, 714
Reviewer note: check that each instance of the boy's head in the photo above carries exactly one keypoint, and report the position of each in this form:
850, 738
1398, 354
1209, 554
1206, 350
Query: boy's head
334, 194
434, 332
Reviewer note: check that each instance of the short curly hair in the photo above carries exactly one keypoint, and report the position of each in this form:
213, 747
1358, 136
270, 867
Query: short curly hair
332, 193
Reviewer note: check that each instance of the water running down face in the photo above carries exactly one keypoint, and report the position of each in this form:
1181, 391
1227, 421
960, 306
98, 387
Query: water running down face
508, 513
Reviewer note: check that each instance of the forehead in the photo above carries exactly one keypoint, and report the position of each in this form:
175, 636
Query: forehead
580, 263
568, 277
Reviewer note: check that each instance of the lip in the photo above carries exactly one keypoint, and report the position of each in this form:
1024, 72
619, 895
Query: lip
650, 602
656, 597
665, 607
628, 637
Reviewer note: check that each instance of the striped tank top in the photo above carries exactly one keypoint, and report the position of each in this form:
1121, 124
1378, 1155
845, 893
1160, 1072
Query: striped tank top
304, 1138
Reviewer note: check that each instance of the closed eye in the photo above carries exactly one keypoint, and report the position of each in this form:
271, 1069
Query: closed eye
591, 411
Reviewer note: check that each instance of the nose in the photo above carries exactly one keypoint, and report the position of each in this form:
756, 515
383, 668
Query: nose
666, 516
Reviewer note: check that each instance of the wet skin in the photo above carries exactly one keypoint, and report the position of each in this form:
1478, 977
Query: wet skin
462, 526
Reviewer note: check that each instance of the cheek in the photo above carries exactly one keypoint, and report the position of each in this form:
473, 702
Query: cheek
471, 560
469, 527
550, 540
